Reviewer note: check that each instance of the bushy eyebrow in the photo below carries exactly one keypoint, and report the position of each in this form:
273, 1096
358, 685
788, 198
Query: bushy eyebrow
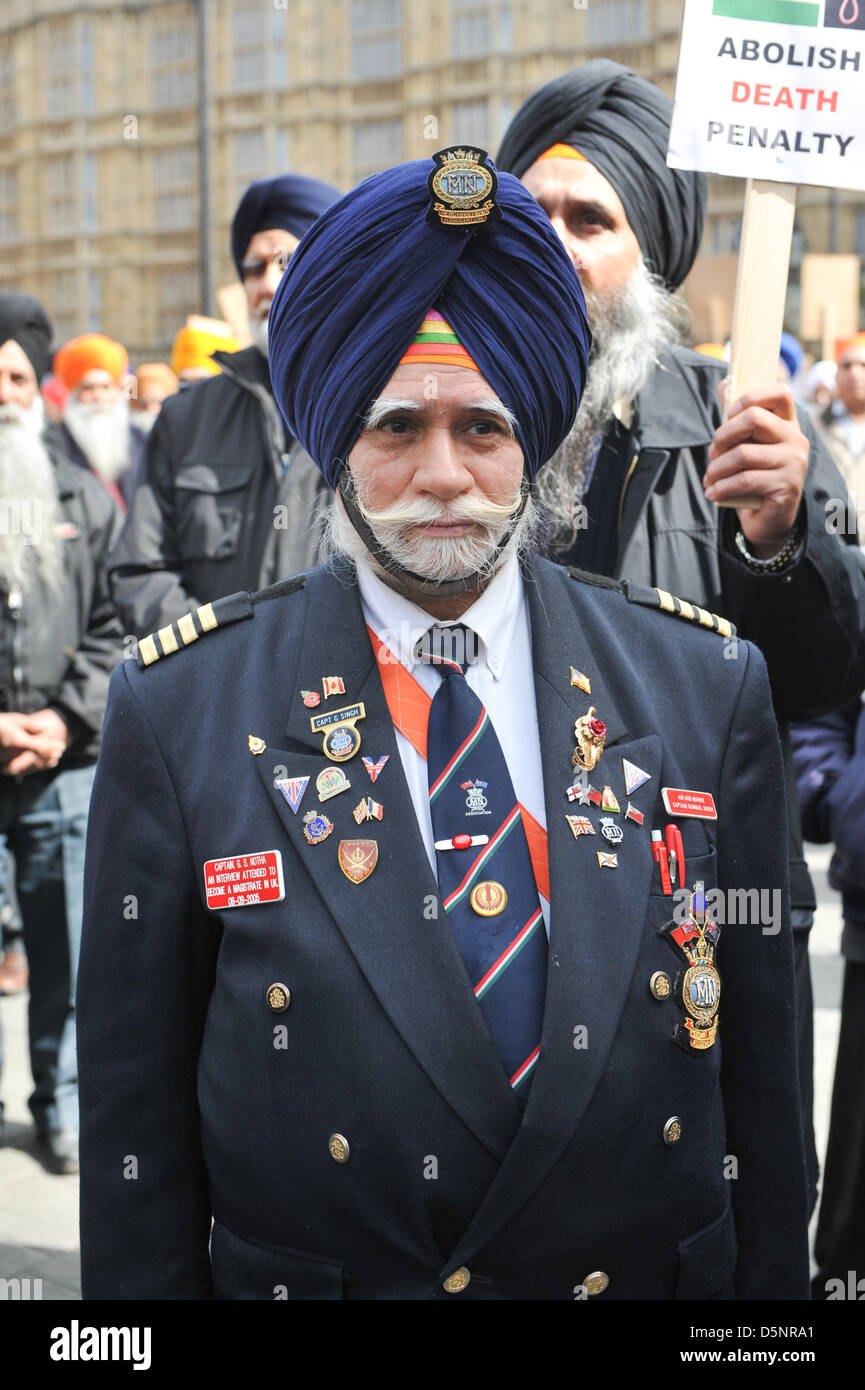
384, 406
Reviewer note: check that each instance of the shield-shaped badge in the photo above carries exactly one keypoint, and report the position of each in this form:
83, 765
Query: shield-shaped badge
357, 858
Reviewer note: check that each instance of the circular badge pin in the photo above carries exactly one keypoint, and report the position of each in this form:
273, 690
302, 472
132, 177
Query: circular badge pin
488, 898
316, 827
341, 743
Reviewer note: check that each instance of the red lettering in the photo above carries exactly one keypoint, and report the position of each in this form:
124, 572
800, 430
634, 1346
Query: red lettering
761, 94
829, 100
784, 98
741, 91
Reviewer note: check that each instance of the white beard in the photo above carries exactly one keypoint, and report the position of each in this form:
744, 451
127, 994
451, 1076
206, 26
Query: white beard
142, 420
258, 333
29, 508
437, 559
102, 434
627, 333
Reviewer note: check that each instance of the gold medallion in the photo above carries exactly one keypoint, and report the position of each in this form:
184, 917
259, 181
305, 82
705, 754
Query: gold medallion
488, 898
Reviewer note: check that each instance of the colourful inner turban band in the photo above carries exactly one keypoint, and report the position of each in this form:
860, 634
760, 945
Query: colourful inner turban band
436, 342
562, 152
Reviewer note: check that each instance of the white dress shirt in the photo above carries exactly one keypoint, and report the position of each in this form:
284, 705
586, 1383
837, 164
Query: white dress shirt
502, 678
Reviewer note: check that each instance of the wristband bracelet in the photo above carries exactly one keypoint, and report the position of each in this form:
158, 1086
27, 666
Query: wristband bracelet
786, 555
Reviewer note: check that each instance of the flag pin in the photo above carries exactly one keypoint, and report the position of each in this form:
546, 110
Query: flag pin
375, 768
581, 680
332, 685
581, 825
293, 789
634, 776
633, 814
607, 861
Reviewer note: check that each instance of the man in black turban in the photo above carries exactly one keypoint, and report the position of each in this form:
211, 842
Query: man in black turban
225, 499
633, 490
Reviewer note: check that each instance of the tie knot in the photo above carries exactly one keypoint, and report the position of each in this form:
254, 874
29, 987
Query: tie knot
452, 648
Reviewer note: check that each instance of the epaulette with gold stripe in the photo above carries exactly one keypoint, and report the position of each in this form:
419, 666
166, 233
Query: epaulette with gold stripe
192, 626
668, 603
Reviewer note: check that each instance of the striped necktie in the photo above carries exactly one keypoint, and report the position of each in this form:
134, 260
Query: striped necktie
488, 890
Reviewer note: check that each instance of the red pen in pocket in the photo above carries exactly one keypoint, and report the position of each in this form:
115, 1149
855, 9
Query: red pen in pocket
675, 854
659, 854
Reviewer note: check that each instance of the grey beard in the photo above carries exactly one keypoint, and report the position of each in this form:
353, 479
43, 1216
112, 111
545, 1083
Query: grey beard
101, 435
627, 332
30, 547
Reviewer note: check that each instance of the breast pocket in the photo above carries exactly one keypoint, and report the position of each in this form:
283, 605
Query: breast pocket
211, 500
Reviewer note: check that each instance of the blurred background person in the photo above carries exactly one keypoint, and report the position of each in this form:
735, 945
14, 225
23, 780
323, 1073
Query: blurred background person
820, 385
95, 429
829, 758
59, 642
54, 397
191, 358
842, 423
153, 382
225, 499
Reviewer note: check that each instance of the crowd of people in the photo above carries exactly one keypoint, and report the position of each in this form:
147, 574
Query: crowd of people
342, 478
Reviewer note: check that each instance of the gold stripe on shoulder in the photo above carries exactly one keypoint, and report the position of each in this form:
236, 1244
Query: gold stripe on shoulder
147, 650
705, 618
724, 626
186, 628
168, 640
685, 609
207, 617
666, 600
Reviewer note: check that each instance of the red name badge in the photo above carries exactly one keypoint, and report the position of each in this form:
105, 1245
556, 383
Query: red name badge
680, 802
244, 879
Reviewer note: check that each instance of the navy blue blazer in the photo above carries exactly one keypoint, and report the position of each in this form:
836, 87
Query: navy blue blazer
201, 1105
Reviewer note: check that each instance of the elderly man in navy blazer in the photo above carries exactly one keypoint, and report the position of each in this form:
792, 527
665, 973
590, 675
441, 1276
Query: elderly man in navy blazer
388, 990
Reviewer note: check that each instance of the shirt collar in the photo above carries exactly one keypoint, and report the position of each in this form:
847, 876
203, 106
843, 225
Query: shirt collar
400, 623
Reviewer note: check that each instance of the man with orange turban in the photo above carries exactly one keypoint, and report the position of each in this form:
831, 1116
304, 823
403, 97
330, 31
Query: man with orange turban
95, 428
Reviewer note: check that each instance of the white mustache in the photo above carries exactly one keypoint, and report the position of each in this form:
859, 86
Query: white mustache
428, 512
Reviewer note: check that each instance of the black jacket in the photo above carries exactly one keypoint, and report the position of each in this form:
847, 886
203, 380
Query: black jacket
59, 651
809, 623
223, 500
228, 1106
829, 758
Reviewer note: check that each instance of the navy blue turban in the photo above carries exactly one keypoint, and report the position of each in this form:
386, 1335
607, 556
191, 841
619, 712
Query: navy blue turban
290, 202
621, 124
358, 288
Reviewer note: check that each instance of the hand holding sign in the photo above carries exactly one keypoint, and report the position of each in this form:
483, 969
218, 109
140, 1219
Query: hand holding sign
760, 451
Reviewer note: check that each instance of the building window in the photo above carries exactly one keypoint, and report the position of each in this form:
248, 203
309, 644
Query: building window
471, 29
617, 21
94, 302
8, 206
376, 145
8, 113
62, 92
179, 296
470, 123
63, 305
175, 175
61, 195
173, 64
87, 92
376, 39
90, 188
248, 159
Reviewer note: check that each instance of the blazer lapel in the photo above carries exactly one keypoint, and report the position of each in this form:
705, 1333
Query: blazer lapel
393, 921
596, 914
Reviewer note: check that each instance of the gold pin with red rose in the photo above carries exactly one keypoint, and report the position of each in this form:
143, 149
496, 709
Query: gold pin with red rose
590, 732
